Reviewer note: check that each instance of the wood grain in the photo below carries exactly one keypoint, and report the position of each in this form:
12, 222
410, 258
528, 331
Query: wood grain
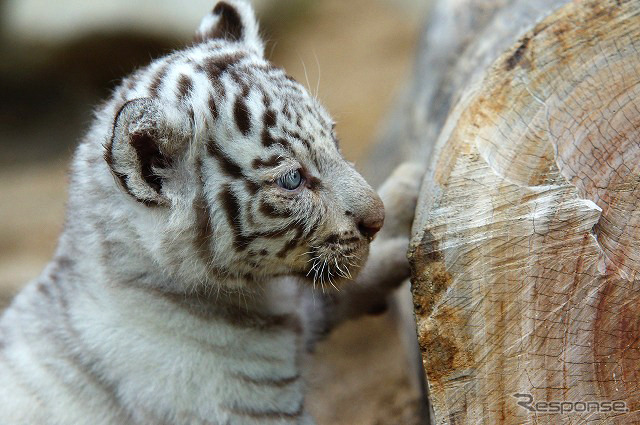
526, 252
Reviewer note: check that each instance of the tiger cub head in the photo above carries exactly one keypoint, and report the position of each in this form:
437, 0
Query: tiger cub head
229, 170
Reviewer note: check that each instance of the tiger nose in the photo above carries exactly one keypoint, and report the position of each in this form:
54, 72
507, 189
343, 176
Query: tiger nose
372, 220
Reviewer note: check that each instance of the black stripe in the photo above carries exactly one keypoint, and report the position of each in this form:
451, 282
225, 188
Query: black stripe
231, 206
272, 161
270, 233
132, 81
332, 239
266, 100
270, 210
306, 144
213, 108
252, 187
241, 115
185, 85
157, 80
294, 134
229, 167
241, 317
221, 89
314, 157
265, 414
297, 136
267, 140
63, 335
287, 111
352, 239
278, 382
215, 66
249, 217
204, 231
269, 118
314, 183
241, 112
201, 304
291, 244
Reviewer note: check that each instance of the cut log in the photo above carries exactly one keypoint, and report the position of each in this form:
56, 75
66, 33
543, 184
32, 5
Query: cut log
526, 248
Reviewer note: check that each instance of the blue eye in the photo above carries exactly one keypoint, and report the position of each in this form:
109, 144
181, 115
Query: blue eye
291, 180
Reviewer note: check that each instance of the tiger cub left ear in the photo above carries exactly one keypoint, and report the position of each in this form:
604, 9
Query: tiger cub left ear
137, 154
231, 20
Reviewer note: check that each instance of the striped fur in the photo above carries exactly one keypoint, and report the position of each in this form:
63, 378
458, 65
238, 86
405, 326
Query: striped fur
187, 284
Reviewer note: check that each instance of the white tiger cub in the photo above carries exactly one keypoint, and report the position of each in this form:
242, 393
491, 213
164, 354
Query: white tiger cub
206, 202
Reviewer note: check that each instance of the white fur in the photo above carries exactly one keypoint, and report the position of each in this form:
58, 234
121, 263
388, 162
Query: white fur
149, 314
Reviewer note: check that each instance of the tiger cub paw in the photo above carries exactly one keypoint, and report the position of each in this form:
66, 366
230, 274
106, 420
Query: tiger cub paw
399, 193
387, 266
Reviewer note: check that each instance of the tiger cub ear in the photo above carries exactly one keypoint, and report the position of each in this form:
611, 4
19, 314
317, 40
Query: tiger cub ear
137, 153
231, 20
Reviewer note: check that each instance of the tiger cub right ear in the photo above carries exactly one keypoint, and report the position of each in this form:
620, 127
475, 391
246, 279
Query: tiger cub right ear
137, 154
231, 20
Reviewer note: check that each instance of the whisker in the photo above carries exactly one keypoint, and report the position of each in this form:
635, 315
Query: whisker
306, 77
318, 81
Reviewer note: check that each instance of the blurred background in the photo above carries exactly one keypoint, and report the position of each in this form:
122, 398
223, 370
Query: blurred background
59, 59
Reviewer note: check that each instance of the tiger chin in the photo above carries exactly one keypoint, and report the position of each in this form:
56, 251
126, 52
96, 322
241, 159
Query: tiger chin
214, 232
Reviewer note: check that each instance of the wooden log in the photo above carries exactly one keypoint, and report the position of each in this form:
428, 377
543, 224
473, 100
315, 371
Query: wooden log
526, 251
461, 38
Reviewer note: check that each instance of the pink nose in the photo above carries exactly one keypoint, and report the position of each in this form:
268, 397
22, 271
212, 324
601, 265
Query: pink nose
369, 228
371, 222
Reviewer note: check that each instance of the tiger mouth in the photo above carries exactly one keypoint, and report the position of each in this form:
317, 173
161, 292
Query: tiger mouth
331, 263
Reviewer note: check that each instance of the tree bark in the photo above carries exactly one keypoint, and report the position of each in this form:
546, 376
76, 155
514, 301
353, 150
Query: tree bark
526, 248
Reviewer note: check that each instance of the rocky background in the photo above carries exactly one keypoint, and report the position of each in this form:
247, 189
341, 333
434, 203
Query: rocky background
60, 58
